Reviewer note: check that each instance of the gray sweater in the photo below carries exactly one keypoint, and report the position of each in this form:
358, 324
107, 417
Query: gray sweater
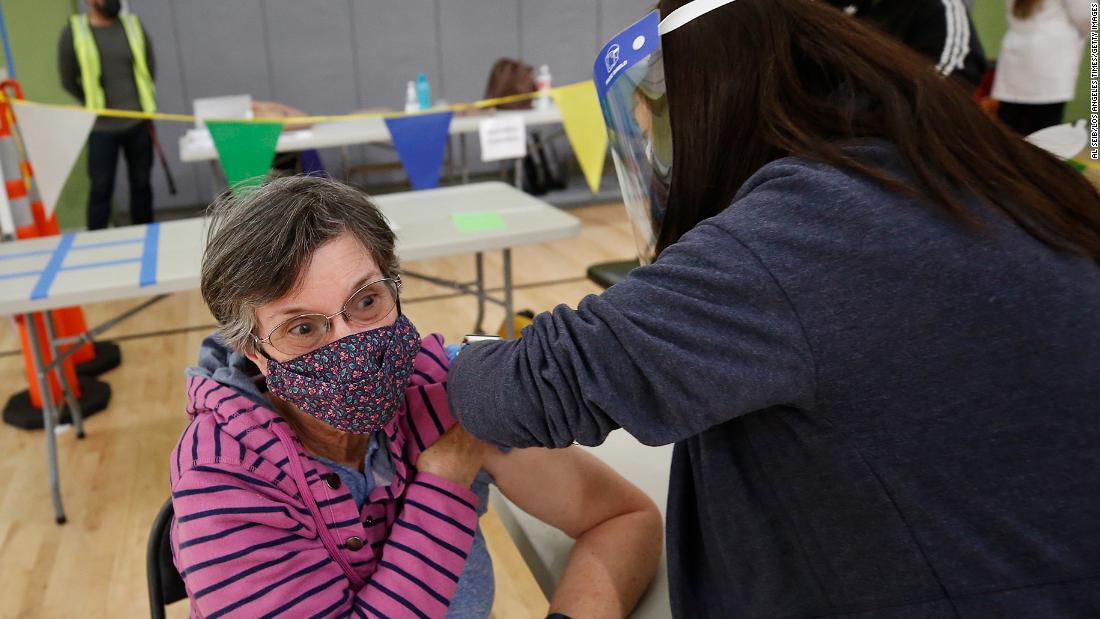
877, 411
116, 63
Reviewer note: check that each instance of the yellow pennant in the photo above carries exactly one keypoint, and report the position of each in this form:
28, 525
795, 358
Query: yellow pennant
583, 122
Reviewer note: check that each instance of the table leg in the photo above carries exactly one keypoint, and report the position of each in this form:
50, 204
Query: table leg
218, 181
66, 389
48, 418
465, 167
519, 175
479, 264
450, 158
509, 309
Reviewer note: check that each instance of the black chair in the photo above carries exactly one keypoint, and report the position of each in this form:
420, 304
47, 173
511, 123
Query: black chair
165, 583
607, 274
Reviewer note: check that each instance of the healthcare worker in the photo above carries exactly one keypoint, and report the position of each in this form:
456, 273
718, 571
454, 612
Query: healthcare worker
871, 328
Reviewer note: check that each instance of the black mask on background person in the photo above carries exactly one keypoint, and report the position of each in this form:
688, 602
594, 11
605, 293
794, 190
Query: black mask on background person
109, 8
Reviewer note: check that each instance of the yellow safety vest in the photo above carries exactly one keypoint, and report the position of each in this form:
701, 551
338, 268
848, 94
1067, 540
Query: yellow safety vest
87, 56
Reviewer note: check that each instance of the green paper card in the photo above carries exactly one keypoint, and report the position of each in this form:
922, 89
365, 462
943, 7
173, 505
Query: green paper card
480, 221
246, 150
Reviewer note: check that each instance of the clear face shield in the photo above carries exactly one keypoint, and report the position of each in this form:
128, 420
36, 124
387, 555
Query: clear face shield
630, 81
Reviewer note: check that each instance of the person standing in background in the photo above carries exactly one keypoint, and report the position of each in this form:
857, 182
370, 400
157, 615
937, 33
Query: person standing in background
106, 61
1039, 61
940, 30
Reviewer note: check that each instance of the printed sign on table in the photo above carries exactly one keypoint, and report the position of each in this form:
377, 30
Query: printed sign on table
503, 137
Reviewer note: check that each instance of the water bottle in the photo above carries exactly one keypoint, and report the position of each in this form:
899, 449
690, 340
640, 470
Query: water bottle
542, 83
412, 103
423, 91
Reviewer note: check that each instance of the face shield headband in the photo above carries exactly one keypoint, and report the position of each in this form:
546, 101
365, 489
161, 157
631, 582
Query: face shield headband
630, 81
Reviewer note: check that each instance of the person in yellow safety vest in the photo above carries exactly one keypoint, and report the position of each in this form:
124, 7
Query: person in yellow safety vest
106, 61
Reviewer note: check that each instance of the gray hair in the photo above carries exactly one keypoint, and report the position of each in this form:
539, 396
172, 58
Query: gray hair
260, 241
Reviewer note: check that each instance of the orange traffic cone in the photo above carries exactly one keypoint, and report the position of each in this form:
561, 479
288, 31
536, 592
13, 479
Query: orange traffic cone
70, 320
24, 409
92, 359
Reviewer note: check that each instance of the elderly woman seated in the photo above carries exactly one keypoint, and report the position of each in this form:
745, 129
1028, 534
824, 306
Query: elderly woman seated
322, 473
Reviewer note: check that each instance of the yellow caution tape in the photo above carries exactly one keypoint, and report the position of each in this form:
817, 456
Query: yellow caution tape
292, 120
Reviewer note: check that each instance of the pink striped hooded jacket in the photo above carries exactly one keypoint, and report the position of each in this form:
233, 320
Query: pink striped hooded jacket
263, 529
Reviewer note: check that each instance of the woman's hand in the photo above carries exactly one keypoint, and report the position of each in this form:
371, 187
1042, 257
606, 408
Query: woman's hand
456, 456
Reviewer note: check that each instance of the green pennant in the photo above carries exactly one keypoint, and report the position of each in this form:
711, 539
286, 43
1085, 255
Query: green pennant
246, 150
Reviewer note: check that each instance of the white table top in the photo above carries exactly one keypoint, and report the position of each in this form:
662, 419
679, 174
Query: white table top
196, 144
135, 261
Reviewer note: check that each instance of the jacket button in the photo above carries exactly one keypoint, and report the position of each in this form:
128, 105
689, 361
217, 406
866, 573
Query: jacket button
333, 480
354, 543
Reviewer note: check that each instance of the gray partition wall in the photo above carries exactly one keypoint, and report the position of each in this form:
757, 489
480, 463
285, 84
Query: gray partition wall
336, 56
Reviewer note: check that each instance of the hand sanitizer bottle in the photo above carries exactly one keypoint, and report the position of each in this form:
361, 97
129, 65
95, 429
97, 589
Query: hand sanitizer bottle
542, 83
423, 91
412, 103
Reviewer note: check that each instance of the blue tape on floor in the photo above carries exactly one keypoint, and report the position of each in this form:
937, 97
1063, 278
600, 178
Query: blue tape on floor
45, 280
149, 255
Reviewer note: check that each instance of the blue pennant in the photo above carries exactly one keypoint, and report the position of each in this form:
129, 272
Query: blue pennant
421, 143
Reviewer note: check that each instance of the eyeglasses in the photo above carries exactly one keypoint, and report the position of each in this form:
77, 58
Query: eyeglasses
365, 308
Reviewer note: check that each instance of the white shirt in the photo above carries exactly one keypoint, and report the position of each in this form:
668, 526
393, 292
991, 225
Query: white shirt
1040, 55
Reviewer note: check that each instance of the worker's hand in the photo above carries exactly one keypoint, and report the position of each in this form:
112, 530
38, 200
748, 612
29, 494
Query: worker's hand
456, 456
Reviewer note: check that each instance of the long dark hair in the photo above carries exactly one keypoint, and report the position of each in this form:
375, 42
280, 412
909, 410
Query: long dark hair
757, 80
1024, 8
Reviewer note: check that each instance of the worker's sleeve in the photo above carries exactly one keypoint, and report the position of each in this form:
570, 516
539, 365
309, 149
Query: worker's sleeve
703, 335
67, 66
942, 31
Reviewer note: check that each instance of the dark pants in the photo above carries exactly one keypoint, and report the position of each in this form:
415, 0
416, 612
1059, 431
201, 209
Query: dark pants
1026, 119
103, 146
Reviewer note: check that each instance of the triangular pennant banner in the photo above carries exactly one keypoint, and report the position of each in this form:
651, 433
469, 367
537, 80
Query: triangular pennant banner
53, 138
246, 150
421, 143
583, 121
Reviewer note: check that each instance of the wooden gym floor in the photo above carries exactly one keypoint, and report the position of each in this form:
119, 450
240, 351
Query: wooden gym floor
116, 479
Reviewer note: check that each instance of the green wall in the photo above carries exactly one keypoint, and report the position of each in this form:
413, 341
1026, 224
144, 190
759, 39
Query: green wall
33, 26
990, 19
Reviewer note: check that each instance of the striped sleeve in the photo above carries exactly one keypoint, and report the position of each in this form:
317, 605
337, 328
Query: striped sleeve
942, 31
428, 417
425, 552
245, 548
956, 37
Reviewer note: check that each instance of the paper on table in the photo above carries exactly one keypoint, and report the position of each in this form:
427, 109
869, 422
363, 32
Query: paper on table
503, 137
479, 221
299, 134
